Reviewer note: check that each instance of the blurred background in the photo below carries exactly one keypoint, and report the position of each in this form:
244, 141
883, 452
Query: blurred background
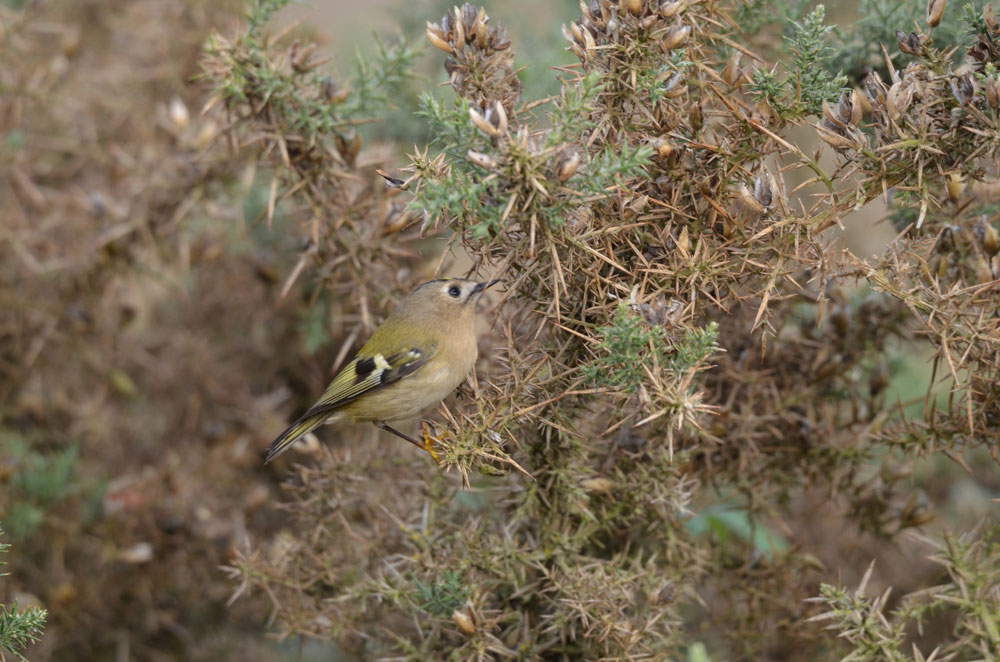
146, 355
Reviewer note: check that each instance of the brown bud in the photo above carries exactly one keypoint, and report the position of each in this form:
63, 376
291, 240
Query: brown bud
935, 10
675, 38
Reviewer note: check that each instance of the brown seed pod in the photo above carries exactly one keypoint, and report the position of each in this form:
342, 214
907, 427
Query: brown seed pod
750, 201
935, 10
676, 36
481, 160
482, 124
348, 146
497, 116
993, 92
988, 237
597, 485
955, 186
911, 44
670, 8
569, 161
432, 36
464, 621
835, 140
633, 7
731, 73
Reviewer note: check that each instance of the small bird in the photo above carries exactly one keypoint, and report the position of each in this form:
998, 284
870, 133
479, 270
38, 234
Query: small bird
419, 355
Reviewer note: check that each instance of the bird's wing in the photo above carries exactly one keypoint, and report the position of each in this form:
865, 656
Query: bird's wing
366, 373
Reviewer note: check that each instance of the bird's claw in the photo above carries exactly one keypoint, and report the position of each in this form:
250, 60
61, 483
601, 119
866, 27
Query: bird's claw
426, 429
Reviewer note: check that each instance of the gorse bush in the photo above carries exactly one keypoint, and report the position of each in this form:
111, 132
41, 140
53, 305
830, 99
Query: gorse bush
696, 420
683, 357
18, 626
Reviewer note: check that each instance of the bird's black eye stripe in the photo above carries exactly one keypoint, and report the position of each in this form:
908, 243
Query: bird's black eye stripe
454, 291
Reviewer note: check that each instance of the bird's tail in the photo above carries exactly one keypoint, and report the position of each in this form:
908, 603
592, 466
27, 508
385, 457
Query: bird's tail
296, 431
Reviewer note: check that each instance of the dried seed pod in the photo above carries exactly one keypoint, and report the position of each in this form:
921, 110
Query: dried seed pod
676, 36
498, 117
664, 148
439, 42
348, 146
597, 485
935, 10
993, 92
332, 92
481, 160
300, 57
731, 74
835, 140
670, 8
482, 124
464, 620
569, 161
875, 89
856, 108
988, 237
911, 44
833, 119
633, 7
879, 379
458, 39
664, 595
899, 98
963, 89
178, 113
649, 21
763, 189
695, 117
750, 201
955, 186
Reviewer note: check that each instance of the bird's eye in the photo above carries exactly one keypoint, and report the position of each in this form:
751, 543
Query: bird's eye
454, 291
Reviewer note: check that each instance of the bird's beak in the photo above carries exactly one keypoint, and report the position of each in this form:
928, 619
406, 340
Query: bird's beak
484, 285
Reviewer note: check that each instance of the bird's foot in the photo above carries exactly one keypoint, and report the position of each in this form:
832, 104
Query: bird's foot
428, 432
